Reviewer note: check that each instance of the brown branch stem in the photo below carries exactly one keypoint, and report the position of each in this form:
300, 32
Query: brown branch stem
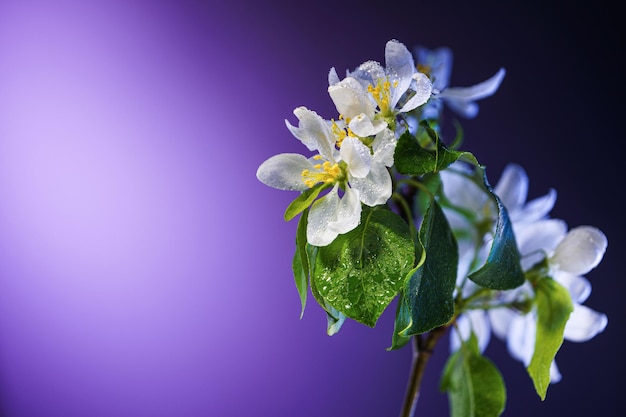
422, 351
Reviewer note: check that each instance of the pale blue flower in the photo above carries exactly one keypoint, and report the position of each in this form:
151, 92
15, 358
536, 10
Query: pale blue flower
462, 100
569, 255
576, 253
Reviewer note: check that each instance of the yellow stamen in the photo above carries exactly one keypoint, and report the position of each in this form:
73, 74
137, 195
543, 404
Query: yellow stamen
341, 134
327, 173
382, 94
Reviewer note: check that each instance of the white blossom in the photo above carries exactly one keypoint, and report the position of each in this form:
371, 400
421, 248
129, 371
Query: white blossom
355, 173
372, 94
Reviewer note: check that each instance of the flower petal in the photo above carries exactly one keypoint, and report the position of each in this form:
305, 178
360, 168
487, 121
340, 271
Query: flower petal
580, 251
423, 90
501, 319
284, 171
521, 337
351, 98
375, 188
477, 91
322, 212
512, 187
368, 73
357, 156
333, 78
348, 215
400, 68
384, 146
539, 236
363, 126
584, 323
471, 321
555, 375
536, 209
439, 61
313, 132
579, 287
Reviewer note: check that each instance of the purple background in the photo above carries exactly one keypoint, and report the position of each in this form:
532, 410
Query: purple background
144, 271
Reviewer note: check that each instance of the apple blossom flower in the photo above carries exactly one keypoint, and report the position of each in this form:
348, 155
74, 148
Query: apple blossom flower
577, 252
356, 173
371, 96
568, 254
462, 100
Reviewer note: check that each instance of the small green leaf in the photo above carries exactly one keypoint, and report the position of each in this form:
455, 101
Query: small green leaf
411, 158
300, 264
430, 288
303, 201
334, 319
475, 386
502, 269
401, 324
362, 271
554, 305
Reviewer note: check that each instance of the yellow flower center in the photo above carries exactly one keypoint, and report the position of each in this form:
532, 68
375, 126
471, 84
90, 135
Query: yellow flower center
341, 134
382, 94
326, 172
424, 69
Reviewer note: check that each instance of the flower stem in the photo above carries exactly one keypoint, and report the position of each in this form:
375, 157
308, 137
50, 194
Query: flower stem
422, 351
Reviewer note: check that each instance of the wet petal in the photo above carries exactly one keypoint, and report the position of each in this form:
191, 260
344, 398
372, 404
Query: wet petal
333, 78
363, 126
584, 323
351, 98
400, 68
284, 171
375, 188
384, 146
357, 156
313, 131
580, 251
368, 73
423, 91
348, 215
322, 212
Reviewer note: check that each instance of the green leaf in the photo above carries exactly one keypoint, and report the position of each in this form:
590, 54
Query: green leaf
303, 201
431, 285
300, 263
502, 269
475, 386
361, 271
334, 319
554, 305
401, 324
411, 158
403, 318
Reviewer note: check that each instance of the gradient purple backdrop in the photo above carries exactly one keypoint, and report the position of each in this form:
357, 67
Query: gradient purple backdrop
144, 271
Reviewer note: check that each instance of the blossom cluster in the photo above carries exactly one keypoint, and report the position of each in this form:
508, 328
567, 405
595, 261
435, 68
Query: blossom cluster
354, 151
389, 207
543, 242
